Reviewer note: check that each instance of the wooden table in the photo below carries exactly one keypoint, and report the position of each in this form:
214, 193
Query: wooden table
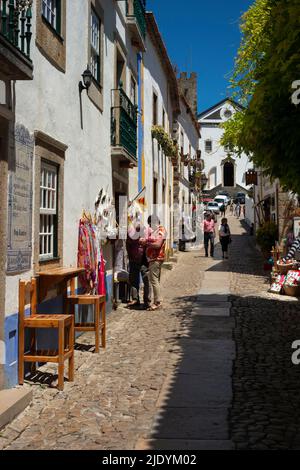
57, 276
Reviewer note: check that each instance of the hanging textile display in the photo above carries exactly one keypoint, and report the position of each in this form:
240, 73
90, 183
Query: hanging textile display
90, 257
101, 275
87, 253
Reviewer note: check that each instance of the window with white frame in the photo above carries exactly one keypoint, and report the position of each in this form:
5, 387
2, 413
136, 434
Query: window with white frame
51, 11
95, 45
48, 211
208, 146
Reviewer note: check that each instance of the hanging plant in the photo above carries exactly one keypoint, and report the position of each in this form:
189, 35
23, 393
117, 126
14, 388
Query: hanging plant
165, 142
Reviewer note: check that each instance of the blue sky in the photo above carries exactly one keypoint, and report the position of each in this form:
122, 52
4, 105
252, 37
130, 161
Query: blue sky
202, 36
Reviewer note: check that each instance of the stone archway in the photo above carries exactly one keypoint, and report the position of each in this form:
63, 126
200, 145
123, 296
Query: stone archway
228, 170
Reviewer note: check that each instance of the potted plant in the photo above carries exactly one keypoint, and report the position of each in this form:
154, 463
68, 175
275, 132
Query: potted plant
266, 237
165, 142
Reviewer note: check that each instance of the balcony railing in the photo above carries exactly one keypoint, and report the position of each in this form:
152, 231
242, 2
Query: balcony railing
124, 122
137, 9
16, 23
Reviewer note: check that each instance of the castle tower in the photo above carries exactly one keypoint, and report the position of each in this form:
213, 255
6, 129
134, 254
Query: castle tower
188, 87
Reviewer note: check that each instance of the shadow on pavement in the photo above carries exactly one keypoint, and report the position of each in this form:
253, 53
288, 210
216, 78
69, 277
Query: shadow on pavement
235, 386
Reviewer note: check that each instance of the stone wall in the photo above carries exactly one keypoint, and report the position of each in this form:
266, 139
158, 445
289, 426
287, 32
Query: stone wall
188, 86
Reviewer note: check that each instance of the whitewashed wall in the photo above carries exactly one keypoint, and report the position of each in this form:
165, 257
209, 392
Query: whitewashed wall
155, 80
211, 130
191, 138
50, 103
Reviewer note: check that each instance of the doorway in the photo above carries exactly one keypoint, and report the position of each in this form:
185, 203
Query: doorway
228, 174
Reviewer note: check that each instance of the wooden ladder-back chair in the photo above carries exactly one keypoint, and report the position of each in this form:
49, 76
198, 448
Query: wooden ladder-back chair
99, 323
63, 323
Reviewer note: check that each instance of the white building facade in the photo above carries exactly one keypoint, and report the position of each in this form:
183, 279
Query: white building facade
61, 143
161, 101
223, 169
189, 141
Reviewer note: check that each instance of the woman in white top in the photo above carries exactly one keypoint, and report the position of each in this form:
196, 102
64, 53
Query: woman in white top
225, 237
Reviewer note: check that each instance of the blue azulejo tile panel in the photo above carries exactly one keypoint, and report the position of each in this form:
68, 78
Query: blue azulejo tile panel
11, 350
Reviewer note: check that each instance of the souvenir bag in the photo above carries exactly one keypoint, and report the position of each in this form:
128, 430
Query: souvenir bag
277, 286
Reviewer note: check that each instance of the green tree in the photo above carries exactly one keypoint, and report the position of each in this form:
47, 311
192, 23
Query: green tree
268, 63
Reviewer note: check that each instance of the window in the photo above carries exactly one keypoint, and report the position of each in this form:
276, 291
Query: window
208, 146
164, 119
154, 193
227, 114
51, 11
95, 45
181, 144
48, 211
132, 91
154, 106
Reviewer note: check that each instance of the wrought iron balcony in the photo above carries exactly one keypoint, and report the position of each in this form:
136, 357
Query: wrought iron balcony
123, 127
136, 20
15, 39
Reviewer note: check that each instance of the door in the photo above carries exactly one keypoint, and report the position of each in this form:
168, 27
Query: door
229, 174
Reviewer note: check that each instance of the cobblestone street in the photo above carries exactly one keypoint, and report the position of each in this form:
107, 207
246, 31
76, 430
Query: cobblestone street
211, 370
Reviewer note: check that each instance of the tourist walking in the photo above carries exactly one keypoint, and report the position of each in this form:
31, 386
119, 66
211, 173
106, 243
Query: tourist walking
225, 237
138, 264
231, 208
223, 210
209, 235
155, 252
238, 209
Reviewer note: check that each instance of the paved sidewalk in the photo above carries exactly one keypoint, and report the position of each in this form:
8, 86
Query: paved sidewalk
194, 404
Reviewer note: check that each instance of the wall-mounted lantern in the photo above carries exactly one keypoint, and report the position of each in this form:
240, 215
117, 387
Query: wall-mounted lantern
87, 80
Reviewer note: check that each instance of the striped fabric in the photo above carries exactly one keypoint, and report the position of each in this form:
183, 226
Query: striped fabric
294, 248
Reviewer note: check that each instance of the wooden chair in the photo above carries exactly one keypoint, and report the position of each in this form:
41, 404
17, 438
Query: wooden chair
99, 323
63, 323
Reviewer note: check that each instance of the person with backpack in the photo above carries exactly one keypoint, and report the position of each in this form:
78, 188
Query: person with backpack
225, 237
155, 251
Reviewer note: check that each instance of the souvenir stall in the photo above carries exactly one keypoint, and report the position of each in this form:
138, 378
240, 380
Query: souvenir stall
135, 213
285, 277
93, 236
